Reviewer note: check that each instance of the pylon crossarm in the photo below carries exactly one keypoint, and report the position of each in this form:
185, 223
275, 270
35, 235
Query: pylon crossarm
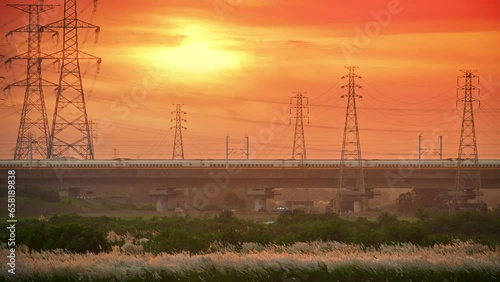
56, 24
23, 83
46, 83
79, 24
86, 56
28, 28
22, 56
59, 55
27, 7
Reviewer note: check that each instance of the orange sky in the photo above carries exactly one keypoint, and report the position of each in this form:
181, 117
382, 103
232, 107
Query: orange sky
235, 63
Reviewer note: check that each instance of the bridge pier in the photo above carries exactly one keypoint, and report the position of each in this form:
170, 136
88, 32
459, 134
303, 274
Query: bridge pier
260, 196
356, 204
352, 200
466, 200
165, 199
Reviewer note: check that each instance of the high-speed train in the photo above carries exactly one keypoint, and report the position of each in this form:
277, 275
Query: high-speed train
212, 163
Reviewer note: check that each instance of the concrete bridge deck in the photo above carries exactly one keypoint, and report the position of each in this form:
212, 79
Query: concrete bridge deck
259, 177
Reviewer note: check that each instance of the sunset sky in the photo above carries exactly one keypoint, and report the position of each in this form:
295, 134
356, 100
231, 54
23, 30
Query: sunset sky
234, 64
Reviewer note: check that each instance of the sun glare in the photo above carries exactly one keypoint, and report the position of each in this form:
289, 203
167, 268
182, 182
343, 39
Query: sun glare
200, 52
197, 57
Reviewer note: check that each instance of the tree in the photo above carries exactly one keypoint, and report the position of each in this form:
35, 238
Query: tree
74, 237
422, 198
422, 214
386, 218
231, 199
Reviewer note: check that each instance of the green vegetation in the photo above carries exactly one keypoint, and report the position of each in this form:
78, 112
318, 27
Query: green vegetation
296, 247
176, 234
431, 199
67, 232
34, 192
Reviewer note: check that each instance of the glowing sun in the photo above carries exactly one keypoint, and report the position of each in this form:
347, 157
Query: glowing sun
198, 57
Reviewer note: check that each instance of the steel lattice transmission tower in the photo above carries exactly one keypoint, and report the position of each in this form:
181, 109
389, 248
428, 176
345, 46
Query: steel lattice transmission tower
71, 132
301, 112
468, 179
351, 170
33, 133
178, 150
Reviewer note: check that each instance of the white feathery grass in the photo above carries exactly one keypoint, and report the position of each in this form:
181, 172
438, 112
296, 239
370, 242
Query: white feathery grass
254, 259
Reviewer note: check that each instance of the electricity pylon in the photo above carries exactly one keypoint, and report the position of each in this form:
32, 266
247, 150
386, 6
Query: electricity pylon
33, 133
178, 150
468, 178
301, 112
70, 126
299, 143
351, 175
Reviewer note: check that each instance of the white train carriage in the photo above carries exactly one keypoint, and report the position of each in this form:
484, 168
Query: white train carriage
317, 163
157, 163
242, 163
199, 163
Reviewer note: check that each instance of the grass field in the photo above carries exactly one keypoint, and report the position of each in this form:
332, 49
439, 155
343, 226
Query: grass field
314, 261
